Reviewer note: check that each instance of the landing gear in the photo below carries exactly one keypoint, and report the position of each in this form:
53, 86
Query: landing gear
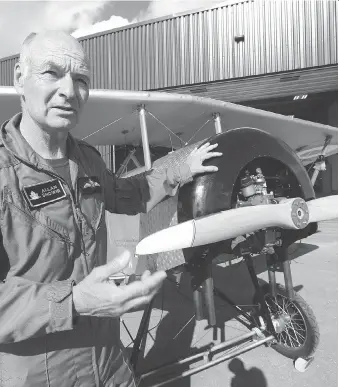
302, 364
281, 319
296, 328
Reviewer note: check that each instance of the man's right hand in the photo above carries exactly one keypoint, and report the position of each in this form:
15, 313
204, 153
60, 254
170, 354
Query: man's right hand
95, 296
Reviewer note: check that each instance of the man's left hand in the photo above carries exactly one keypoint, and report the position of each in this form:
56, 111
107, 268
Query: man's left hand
199, 155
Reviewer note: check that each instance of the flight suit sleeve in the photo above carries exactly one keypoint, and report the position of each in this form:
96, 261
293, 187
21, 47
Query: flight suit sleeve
30, 309
141, 193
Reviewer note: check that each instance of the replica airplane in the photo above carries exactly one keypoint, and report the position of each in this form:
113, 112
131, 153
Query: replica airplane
259, 202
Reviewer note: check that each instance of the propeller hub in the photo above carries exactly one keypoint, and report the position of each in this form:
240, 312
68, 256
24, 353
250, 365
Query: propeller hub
300, 213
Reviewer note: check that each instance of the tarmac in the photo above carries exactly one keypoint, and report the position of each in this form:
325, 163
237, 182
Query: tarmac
174, 333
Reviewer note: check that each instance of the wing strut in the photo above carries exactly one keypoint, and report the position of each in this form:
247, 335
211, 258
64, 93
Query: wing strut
129, 157
144, 137
319, 164
217, 123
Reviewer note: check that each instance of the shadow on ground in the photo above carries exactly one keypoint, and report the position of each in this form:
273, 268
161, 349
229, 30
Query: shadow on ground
252, 377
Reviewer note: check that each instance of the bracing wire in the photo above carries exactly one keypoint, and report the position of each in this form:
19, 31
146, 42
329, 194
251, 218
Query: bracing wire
166, 127
169, 134
161, 123
156, 325
201, 127
162, 311
104, 127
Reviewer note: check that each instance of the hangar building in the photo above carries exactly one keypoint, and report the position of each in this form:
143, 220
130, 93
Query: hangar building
277, 55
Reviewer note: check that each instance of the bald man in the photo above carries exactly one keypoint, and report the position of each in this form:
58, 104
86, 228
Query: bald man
59, 323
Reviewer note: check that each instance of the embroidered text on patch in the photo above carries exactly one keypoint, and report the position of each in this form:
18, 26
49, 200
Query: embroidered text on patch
41, 194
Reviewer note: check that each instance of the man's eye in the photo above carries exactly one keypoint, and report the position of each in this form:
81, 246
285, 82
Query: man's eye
51, 73
83, 81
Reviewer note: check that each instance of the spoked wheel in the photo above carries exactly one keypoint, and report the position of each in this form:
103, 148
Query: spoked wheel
296, 328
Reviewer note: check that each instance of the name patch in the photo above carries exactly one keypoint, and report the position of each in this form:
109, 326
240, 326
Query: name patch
89, 185
39, 195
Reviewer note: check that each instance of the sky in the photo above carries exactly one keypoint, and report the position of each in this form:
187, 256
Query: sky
81, 18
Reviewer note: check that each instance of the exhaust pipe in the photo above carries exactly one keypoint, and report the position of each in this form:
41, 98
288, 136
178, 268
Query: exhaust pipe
289, 214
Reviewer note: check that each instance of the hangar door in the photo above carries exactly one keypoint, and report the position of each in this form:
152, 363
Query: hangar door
306, 81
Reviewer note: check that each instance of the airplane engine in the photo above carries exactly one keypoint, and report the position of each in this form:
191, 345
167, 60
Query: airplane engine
256, 168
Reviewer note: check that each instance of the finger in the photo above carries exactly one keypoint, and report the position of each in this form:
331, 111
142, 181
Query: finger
209, 168
153, 282
136, 290
213, 146
208, 150
113, 267
212, 154
146, 286
204, 146
145, 275
208, 147
120, 262
141, 300
136, 302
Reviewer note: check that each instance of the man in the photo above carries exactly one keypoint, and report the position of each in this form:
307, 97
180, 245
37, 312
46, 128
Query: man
58, 311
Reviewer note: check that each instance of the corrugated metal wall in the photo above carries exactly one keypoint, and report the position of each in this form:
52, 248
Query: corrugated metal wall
6, 71
279, 35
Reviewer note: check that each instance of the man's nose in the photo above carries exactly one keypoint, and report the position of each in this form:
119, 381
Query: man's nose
66, 87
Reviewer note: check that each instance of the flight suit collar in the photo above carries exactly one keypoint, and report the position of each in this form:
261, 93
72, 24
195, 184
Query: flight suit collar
16, 144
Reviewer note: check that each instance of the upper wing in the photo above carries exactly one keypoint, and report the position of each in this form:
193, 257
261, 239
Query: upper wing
111, 117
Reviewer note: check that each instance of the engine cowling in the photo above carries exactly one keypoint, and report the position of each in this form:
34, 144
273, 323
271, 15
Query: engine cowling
256, 168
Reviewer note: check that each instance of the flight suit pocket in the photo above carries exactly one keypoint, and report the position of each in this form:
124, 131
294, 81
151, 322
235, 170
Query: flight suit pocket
37, 246
35, 218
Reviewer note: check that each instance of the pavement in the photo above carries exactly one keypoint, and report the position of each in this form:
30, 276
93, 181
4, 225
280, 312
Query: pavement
174, 333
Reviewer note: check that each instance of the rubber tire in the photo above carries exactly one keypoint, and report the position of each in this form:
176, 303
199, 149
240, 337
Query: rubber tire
313, 334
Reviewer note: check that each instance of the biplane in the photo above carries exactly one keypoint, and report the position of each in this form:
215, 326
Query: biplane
259, 202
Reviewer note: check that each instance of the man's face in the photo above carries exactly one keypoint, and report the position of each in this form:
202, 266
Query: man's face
57, 84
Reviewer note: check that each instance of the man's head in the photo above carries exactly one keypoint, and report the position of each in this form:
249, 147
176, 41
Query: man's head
236, 366
52, 77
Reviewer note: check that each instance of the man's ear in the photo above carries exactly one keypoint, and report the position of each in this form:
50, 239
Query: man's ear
19, 78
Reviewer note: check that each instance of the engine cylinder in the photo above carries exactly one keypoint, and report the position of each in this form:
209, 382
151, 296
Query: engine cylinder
247, 187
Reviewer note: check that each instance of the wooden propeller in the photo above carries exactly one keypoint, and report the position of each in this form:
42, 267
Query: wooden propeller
288, 213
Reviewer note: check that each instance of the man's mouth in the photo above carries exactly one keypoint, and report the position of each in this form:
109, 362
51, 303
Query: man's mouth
65, 109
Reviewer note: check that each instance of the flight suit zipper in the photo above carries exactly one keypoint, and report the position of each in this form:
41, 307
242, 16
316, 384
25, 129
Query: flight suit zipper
76, 211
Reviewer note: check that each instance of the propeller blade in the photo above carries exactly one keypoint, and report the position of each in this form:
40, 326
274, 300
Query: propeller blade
289, 213
323, 208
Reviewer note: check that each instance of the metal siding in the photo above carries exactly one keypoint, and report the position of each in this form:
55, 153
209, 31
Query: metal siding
6, 71
280, 35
